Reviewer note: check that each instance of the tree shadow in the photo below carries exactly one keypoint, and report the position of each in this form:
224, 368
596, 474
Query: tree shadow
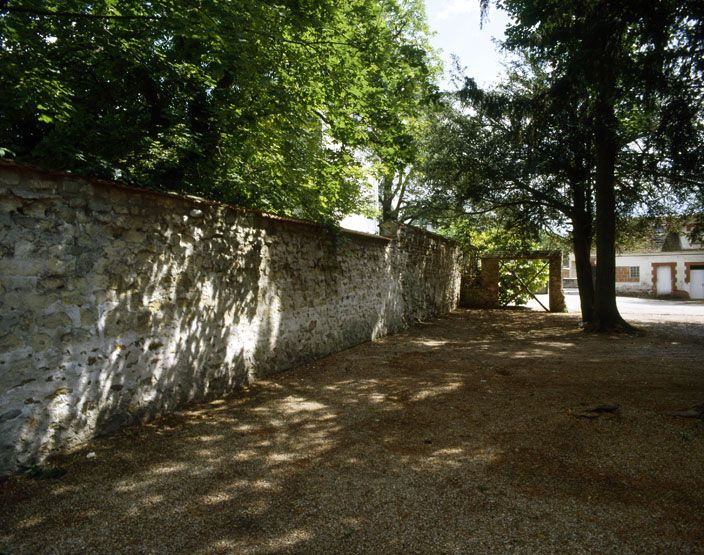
145, 303
449, 437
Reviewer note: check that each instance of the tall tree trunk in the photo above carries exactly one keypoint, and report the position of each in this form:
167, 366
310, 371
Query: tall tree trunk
582, 245
606, 315
386, 197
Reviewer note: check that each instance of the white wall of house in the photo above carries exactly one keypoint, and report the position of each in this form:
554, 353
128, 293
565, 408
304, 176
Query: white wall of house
685, 241
638, 272
687, 244
648, 264
361, 222
357, 222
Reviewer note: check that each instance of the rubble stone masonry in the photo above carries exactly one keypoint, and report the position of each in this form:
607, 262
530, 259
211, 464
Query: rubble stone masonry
118, 305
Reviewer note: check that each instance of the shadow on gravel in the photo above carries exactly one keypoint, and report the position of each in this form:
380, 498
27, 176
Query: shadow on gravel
456, 436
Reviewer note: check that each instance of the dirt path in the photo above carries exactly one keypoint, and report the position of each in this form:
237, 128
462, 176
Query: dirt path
459, 436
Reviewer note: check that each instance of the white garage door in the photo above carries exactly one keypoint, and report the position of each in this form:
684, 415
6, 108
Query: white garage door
696, 283
664, 280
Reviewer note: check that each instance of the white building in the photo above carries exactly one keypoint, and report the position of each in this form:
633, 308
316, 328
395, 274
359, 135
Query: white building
667, 272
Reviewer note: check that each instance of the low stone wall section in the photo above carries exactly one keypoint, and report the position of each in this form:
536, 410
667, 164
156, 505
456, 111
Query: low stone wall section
118, 305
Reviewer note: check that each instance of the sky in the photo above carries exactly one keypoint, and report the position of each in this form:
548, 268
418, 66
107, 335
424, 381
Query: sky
456, 27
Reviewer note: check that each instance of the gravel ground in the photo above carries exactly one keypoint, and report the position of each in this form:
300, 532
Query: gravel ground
464, 435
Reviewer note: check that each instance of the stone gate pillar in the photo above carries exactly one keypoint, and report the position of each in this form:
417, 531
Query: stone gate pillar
556, 297
490, 281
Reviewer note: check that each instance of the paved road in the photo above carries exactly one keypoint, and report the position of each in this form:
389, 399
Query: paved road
678, 319
638, 307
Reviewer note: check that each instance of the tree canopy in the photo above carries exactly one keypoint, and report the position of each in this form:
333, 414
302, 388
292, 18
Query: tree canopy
265, 104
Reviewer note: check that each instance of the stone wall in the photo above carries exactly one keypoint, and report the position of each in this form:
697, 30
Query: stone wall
118, 305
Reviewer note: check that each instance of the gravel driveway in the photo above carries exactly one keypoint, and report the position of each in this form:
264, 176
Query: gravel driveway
470, 434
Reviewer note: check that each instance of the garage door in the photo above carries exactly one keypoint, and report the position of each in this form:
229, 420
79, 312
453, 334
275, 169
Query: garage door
696, 282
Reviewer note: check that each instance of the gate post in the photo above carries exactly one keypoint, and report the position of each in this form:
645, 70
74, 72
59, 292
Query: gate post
490, 281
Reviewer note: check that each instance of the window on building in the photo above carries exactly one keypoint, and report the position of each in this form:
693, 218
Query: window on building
634, 272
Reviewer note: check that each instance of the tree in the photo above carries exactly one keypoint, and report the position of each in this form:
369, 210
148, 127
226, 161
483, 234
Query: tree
636, 69
404, 97
264, 104
519, 152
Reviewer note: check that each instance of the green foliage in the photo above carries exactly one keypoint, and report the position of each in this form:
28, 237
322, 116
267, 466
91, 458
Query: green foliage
44, 471
635, 69
555, 242
505, 149
264, 104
